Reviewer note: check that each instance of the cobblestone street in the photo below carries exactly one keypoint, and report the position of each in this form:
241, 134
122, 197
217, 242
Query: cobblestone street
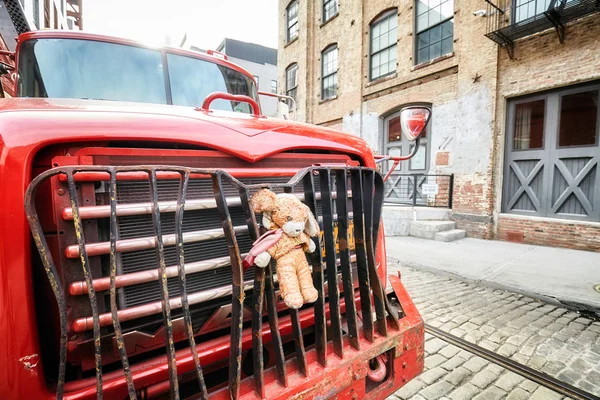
545, 337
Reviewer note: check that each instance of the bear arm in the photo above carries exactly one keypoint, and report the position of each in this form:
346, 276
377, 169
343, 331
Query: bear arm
305, 242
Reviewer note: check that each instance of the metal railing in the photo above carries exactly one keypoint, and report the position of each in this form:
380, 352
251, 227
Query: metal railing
510, 20
363, 201
420, 190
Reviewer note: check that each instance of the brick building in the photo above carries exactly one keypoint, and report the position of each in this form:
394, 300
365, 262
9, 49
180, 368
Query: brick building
513, 87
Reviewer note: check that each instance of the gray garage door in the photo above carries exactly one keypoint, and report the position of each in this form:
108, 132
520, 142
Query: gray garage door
552, 155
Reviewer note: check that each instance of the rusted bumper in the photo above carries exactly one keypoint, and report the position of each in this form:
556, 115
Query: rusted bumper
348, 377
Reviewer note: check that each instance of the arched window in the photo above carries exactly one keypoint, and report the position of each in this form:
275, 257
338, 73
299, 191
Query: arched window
383, 45
291, 80
292, 20
329, 68
434, 28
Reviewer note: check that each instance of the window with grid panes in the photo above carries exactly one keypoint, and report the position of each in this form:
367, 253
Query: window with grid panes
273, 86
291, 80
435, 29
330, 9
292, 20
526, 9
384, 49
329, 66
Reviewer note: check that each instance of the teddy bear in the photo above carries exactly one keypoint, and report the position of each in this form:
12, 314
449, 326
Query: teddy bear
291, 225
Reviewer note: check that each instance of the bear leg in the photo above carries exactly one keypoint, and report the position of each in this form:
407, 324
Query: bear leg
309, 293
288, 285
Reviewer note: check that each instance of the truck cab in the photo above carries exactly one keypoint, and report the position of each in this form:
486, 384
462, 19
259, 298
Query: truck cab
126, 173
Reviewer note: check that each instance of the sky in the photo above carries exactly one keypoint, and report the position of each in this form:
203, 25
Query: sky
206, 22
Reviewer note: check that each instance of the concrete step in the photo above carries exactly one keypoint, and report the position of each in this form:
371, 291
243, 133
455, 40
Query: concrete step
397, 219
428, 229
451, 235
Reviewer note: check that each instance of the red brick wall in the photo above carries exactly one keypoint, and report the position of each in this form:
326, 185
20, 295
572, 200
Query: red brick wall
547, 232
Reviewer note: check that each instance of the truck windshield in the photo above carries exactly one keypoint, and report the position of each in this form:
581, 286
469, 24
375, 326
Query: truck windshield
85, 69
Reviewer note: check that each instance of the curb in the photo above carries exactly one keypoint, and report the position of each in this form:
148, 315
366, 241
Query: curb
586, 310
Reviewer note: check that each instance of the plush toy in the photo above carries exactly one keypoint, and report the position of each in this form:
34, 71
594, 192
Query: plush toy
290, 224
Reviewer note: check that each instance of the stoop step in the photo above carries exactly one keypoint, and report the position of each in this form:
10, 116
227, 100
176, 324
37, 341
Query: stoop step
451, 235
428, 229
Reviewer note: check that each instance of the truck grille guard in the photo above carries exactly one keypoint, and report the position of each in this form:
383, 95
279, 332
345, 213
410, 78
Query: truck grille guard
366, 191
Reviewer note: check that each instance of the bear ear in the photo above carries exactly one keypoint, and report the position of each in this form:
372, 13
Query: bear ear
311, 228
265, 200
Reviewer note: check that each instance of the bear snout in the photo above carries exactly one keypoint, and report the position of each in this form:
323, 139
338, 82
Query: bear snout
293, 228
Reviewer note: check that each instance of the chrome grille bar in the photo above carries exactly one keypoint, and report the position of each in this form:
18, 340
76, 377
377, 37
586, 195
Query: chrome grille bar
124, 210
150, 242
131, 313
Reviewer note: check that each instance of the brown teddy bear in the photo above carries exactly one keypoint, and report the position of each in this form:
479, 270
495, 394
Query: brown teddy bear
291, 225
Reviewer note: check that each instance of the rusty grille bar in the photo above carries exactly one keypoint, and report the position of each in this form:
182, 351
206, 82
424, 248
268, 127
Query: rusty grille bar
365, 200
316, 261
85, 265
113, 288
330, 257
341, 183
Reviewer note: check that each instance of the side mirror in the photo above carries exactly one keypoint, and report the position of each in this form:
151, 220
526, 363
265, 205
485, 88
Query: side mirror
414, 120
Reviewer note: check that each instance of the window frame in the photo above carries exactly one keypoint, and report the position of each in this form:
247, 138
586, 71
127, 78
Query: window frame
295, 88
328, 49
275, 81
256, 78
561, 94
324, 8
529, 19
416, 34
513, 108
380, 18
289, 27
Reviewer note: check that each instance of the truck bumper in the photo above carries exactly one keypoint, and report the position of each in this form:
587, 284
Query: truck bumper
349, 377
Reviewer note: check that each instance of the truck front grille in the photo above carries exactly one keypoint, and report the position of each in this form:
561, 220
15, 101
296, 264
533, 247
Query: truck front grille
116, 245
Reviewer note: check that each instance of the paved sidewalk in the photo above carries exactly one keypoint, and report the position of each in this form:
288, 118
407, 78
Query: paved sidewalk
556, 275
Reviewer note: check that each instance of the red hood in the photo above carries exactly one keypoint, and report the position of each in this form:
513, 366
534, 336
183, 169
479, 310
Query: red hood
40, 122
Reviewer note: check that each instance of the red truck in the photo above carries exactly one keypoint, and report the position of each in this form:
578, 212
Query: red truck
125, 173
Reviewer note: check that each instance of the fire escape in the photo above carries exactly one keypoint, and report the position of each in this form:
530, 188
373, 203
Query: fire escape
510, 20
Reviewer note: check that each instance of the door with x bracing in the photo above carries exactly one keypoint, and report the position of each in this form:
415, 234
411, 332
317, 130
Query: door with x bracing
553, 155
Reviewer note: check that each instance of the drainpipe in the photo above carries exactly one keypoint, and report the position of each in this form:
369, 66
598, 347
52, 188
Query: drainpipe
362, 67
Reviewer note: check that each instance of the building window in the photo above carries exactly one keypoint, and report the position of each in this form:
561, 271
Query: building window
291, 81
329, 66
529, 125
384, 39
526, 9
435, 29
553, 155
330, 9
578, 119
256, 79
292, 21
273, 86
